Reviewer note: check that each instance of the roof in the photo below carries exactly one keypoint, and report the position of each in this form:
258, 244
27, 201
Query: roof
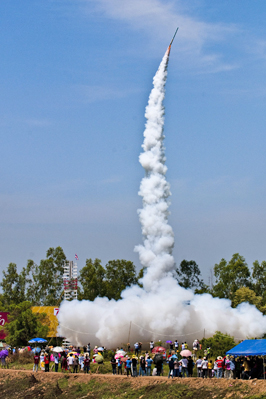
249, 347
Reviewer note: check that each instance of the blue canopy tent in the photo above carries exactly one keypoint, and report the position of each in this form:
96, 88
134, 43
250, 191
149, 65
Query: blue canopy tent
250, 347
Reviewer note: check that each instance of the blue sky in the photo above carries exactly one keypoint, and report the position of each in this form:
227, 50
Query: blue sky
75, 77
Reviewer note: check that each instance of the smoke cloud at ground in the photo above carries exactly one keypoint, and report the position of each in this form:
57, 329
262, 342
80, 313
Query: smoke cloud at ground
161, 309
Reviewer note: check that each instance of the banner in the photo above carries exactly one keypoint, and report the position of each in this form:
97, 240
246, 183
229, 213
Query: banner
3, 321
51, 312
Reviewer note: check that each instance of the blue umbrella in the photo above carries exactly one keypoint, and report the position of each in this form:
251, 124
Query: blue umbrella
174, 357
37, 341
36, 350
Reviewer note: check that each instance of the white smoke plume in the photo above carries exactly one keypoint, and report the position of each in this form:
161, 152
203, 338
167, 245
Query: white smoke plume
161, 309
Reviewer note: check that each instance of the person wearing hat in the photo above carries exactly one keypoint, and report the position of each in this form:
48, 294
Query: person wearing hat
219, 363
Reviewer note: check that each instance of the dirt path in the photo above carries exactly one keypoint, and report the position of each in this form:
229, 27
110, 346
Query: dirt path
256, 387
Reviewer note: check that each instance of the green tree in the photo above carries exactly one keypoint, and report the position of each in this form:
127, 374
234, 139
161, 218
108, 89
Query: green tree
13, 285
245, 294
188, 275
219, 344
92, 280
230, 277
119, 275
45, 281
24, 324
259, 279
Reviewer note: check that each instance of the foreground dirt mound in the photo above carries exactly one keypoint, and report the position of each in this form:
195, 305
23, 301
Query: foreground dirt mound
26, 385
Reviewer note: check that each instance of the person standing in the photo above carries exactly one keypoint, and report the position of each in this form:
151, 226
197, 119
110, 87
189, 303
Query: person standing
219, 362
56, 362
134, 366
149, 363
70, 361
151, 345
113, 363
171, 368
36, 360
199, 366
190, 366
142, 366
184, 362
210, 365
159, 365
75, 364
204, 367
64, 363
89, 349
128, 366
46, 361
119, 366
87, 364
136, 346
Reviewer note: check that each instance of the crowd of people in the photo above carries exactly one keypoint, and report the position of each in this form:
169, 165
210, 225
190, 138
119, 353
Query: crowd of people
155, 362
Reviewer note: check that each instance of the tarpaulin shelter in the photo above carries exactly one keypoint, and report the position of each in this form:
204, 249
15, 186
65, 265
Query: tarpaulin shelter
249, 347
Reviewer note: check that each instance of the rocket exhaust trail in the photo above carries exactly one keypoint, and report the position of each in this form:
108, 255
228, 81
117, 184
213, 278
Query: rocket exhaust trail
160, 309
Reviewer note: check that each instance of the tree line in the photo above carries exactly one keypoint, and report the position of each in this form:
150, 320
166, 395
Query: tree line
42, 285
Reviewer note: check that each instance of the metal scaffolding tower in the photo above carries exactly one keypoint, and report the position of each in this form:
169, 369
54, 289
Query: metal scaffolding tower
70, 278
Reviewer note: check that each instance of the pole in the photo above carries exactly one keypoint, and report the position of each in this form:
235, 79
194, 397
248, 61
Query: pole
204, 333
129, 332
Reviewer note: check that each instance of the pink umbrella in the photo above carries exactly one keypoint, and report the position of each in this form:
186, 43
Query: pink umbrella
158, 349
185, 353
118, 355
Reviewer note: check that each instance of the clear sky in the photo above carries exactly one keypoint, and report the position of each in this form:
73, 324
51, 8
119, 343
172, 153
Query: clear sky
75, 76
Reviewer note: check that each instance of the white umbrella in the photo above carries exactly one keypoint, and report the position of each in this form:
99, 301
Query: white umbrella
58, 349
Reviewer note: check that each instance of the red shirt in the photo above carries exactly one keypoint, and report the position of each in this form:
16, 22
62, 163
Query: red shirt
219, 363
36, 359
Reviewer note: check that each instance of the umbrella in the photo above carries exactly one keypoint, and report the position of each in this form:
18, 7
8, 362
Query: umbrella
124, 359
99, 358
185, 353
37, 341
123, 353
158, 358
100, 349
158, 349
173, 357
36, 350
58, 349
4, 353
168, 342
1, 344
118, 355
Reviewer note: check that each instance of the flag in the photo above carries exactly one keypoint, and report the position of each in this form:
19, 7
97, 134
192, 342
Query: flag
76, 257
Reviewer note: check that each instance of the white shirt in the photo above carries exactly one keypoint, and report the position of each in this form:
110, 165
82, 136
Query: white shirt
199, 363
70, 360
184, 362
205, 364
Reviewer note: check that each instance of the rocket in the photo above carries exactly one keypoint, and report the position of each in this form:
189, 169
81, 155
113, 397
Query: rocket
169, 47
